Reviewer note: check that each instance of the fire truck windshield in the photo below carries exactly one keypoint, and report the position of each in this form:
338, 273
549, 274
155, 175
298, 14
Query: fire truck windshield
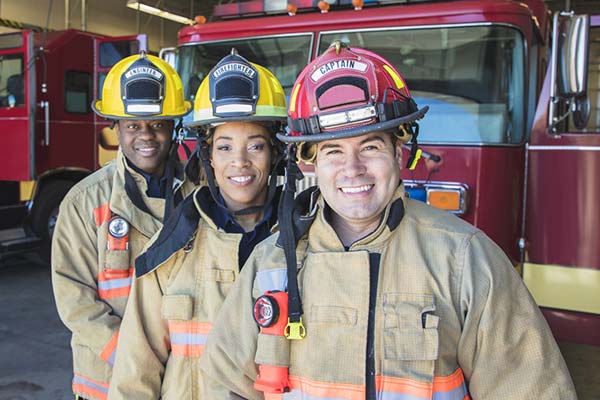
12, 92
285, 56
471, 77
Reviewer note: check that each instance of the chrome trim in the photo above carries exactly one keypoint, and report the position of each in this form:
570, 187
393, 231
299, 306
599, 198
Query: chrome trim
575, 148
462, 188
553, 69
246, 38
523, 240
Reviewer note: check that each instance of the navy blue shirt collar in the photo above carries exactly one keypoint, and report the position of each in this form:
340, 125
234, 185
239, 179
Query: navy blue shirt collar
261, 231
157, 186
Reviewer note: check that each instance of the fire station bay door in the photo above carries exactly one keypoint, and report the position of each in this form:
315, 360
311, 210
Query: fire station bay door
17, 106
108, 51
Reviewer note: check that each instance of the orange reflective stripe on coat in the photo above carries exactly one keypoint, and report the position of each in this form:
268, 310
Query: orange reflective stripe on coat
102, 214
450, 387
188, 338
110, 350
90, 387
305, 389
114, 283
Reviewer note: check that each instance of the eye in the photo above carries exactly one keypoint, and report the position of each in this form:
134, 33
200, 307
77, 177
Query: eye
158, 125
223, 147
370, 148
333, 152
256, 146
132, 127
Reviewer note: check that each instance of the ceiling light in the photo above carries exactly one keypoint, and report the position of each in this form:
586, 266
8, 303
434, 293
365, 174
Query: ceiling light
136, 5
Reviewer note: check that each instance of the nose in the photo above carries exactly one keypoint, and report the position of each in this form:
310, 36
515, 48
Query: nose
145, 131
353, 165
240, 158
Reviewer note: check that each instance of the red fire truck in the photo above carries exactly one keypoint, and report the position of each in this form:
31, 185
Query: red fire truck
505, 151
49, 136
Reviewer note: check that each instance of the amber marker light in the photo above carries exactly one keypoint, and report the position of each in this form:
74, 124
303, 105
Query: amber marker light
291, 9
323, 6
445, 199
358, 4
200, 19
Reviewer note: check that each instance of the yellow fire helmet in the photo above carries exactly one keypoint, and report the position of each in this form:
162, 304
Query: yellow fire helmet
142, 87
238, 90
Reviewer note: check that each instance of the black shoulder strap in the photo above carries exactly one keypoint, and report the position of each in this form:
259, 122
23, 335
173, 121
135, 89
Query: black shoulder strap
177, 231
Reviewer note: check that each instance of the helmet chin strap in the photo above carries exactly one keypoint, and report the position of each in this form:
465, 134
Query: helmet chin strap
203, 151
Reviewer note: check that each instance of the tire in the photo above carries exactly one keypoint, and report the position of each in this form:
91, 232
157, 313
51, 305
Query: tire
45, 212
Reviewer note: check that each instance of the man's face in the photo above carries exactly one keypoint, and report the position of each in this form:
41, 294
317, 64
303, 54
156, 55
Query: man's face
241, 159
358, 177
146, 143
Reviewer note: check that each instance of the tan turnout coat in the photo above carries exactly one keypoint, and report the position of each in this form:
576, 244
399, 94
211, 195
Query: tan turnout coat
91, 302
451, 318
183, 279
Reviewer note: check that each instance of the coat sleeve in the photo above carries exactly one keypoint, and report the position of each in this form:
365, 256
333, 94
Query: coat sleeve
228, 360
75, 281
506, 349
144, 344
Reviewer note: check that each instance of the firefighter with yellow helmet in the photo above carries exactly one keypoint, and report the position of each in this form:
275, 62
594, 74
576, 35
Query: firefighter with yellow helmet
107, 218
387, 298
186, 273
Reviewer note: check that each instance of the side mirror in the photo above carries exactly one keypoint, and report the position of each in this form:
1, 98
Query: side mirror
573, 39
169, 54
581, 111
569, 69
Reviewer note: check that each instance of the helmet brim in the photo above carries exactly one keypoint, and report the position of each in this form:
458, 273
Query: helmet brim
247, 118
357, 131
97, 106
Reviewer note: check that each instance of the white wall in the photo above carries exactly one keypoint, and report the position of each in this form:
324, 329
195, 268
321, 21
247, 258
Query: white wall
109, 17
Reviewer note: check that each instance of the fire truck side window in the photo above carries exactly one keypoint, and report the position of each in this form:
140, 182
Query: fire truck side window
285, 56
12, 88
471, 77
78, 92
593, 85
112, 52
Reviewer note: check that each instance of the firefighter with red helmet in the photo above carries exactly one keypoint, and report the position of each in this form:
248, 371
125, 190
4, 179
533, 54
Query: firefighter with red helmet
188, 270
383, 296
107, 218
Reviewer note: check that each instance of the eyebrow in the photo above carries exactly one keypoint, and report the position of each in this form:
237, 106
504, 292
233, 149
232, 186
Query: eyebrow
366, 140
257, 136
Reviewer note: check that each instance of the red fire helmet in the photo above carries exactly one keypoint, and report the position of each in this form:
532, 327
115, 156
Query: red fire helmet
348, 92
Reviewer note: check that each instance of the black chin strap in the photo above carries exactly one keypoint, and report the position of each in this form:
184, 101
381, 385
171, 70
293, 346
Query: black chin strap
203, 150
295, 328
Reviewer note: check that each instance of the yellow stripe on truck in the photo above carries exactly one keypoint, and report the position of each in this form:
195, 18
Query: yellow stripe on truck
565, 288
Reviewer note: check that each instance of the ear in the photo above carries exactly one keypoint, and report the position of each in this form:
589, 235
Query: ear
398, 156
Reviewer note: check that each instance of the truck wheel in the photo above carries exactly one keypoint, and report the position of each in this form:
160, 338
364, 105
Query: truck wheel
45, 212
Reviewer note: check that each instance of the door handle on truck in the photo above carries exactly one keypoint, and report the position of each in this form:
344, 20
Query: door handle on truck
46, 106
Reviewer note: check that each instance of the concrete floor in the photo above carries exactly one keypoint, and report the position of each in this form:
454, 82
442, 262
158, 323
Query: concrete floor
35, 356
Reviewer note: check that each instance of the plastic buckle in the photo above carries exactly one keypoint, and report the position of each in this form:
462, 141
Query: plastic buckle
181, 134
294, 330
415, 159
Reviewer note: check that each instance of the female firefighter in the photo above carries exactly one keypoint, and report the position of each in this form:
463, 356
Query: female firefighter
185, 275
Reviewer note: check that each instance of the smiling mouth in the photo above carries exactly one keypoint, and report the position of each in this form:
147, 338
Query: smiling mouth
147, 151
241, 180
356, 189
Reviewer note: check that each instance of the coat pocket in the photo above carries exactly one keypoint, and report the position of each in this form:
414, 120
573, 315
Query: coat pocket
177, 307
410, 328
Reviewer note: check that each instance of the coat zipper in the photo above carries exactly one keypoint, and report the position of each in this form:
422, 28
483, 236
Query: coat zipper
374, 261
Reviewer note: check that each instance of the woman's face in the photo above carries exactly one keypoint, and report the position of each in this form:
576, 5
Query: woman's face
241, 158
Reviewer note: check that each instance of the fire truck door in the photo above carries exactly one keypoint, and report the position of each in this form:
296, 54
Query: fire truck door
108, 52
17, 105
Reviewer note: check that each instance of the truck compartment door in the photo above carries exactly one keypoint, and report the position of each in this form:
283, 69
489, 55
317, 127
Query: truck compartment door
17, 106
